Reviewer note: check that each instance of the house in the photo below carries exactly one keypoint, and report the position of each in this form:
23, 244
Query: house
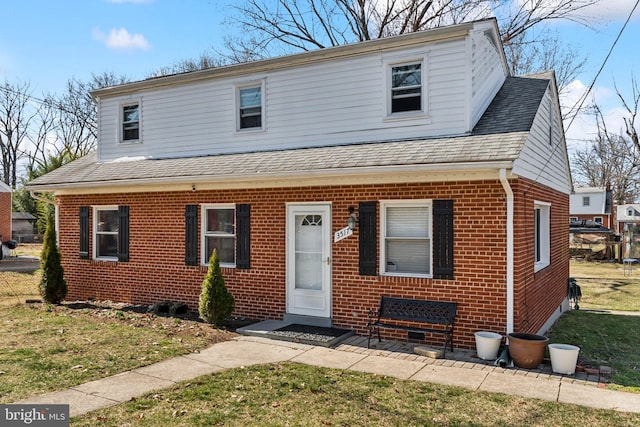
592, 204
628, 220
5, 212
23, 224
456, 172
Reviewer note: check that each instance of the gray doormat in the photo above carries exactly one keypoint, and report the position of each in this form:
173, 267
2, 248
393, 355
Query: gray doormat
315, 335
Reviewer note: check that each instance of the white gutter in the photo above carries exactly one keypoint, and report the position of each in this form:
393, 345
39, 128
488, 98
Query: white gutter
509, 193
33, 194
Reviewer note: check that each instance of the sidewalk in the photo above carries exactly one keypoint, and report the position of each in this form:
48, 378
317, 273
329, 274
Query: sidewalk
350, 354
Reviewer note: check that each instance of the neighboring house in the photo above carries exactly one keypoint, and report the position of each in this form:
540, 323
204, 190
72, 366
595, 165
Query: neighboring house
458, 174
628, 220
592, 204
627, 215
23, 226
5, 212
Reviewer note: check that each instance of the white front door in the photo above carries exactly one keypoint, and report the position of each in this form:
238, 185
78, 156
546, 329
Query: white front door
309, 259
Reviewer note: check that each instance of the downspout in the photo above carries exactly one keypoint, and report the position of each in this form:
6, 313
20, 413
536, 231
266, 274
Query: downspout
509, 192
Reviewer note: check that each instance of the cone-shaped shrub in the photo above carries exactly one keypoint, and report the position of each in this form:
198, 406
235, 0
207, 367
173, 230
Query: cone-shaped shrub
216, 302
53, 287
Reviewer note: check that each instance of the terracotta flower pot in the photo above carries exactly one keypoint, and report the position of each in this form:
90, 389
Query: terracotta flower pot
527, 350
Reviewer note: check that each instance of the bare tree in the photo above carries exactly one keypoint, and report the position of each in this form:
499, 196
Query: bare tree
631, 106
15, 118
285, 26
610, 160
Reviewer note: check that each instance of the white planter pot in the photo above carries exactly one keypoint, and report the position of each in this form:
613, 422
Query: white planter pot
487, 344
564, 358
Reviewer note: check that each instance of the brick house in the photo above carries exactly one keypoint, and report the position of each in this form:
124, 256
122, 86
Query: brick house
5, 212
456, 171
592, 204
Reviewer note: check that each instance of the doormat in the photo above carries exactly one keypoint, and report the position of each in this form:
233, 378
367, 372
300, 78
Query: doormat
315, 335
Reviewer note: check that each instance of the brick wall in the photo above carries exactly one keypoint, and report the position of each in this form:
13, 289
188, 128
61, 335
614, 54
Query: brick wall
5, 215
156, 270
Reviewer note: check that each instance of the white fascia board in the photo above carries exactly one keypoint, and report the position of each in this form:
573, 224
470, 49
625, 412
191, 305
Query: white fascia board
331, 177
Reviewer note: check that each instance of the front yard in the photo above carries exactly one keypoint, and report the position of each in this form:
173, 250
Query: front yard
49, 348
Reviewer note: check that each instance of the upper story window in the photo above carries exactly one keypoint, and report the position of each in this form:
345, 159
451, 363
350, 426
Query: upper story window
586, 201
250, 107
105, 227
542, 235
130, 122
219, 232
406, 238
406, 88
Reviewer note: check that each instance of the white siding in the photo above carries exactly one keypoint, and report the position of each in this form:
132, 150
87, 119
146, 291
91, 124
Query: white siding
488, 73
597, 200
327, 103
544, 159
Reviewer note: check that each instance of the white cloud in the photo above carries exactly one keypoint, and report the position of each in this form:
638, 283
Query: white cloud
121, 39
583, 127
610, 10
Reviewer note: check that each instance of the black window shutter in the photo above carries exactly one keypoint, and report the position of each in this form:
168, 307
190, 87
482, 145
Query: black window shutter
243, 237
84, 232
443, 239
123, 233
368, 237
191, 235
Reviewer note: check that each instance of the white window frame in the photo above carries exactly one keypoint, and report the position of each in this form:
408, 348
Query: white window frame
598, 220
586, 200
95, 231
384, 204
204, 234
389, 89
542, 235
121, 122
238, 89
573, 219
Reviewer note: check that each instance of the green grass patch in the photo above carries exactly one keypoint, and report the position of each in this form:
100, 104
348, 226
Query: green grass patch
604, 339
301, 395
604, 285
49, 347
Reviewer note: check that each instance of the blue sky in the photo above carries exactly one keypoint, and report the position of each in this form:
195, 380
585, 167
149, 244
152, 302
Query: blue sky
46, 42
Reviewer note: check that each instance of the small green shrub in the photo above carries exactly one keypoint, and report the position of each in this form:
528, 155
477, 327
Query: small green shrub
53, 286
216, 302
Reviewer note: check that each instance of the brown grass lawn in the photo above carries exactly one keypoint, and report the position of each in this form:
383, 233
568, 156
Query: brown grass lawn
605, 286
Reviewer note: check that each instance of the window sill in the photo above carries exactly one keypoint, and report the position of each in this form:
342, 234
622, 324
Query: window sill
540, 266
132, 142
413, 275
106, 259
419, 115
221, 265
250, 131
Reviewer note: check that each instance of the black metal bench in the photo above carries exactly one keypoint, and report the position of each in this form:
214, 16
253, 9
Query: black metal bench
413, 310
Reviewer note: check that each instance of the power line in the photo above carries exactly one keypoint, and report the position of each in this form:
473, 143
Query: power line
586, 94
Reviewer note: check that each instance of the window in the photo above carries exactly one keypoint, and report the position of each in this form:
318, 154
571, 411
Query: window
586, 201
598, 220
218, 225
542, 235
105, 232
406, 238
573, 219
130, 123
250, 107
406, 88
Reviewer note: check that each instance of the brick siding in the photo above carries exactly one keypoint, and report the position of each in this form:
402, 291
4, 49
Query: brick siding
156, 270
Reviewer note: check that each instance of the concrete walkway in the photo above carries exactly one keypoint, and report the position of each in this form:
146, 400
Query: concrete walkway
352, 354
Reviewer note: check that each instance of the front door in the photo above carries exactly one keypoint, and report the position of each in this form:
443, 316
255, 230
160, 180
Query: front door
309, 259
